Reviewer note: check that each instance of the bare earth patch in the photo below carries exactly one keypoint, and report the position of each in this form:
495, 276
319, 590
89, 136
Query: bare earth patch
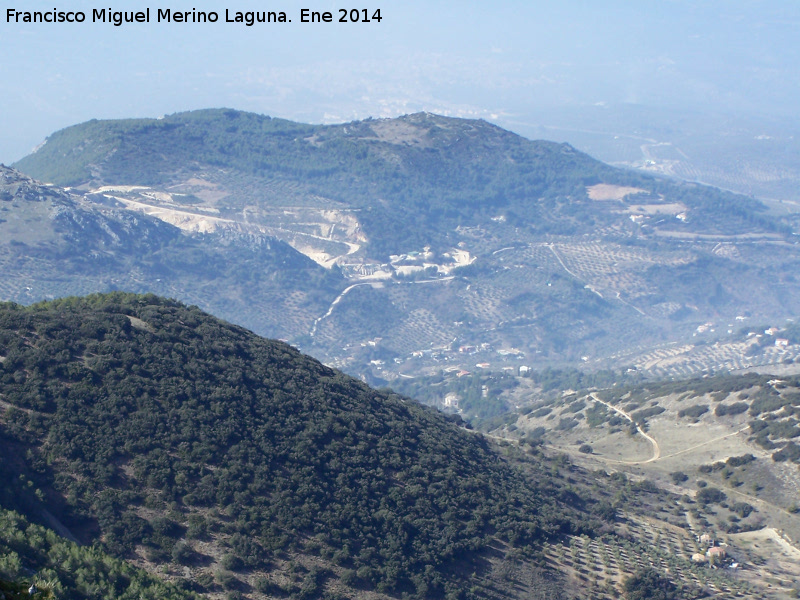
606, 191
394, 131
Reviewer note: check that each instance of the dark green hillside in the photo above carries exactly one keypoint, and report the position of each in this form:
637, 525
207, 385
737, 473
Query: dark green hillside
414, 179
152, 426
31, 554
229, 138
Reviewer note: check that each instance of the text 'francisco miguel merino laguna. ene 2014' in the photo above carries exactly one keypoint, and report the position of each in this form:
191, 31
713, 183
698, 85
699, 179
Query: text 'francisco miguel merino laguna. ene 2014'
162, 15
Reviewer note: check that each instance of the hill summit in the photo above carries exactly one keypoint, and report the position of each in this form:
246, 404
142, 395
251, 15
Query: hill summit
530, 250
413, 179
169, 435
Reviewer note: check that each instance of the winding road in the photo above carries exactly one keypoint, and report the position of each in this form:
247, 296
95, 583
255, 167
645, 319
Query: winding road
372, 283
333, 305
649, 438
656, 449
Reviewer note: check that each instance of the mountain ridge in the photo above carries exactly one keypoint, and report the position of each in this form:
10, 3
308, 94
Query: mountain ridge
442, 168
529, 250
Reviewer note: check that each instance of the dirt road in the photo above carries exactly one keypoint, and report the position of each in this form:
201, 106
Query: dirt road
645, 435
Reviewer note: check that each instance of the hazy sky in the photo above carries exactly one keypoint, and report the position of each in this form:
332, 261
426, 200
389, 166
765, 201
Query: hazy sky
461, 58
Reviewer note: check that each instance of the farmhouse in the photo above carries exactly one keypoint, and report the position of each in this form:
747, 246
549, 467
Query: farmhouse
451, 400
706, 540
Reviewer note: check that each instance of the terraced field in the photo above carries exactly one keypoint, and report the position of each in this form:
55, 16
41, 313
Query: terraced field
602, 564
726, 447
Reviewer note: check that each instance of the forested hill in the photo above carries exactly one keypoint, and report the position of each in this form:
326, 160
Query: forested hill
174, 438
412, 180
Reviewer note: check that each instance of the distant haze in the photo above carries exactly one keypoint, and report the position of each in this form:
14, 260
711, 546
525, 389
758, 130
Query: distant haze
512, 64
